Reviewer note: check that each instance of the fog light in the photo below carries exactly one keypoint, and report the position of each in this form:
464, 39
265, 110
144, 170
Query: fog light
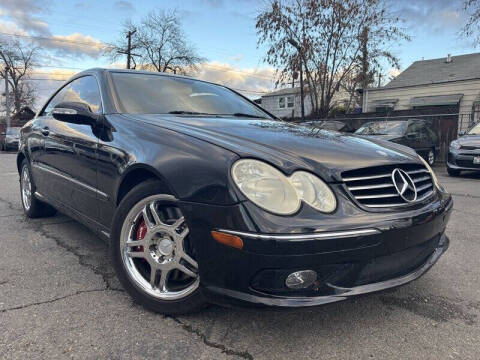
301, 279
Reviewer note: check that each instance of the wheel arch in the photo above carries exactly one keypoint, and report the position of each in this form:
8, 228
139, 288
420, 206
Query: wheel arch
20, 157
136, 174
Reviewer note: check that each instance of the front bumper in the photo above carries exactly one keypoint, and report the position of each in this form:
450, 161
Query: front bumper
366, 252
463, 159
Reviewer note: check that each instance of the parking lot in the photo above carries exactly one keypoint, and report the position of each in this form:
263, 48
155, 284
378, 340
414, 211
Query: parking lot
59, 298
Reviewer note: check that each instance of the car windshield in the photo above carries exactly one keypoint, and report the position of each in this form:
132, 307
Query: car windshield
13, 131
383, 128
475, 130
157, 94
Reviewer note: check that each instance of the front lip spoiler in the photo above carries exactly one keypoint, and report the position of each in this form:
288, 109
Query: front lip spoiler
340, 292
310, 236
456, 167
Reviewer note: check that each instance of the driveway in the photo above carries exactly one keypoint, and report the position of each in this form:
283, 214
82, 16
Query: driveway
59, 298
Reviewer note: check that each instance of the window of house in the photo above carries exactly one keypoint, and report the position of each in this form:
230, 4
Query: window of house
286, 102
290, 101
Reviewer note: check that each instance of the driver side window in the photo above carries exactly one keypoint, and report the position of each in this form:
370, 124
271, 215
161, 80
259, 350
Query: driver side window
84, 90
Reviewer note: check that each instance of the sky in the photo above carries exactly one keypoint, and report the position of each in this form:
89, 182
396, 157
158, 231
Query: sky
223, 31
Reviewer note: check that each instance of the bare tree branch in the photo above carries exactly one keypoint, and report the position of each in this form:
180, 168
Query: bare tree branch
329, 40
17, 60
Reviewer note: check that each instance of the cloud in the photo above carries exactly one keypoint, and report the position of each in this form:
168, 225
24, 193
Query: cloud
75, 44
238, 57
123, 5
393, 73
436, 16
251, 82
22, 12
22, 19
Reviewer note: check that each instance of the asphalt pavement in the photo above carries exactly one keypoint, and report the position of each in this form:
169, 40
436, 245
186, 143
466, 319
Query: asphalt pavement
59, 298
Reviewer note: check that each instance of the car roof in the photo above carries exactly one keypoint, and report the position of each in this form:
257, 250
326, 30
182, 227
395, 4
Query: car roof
100, 71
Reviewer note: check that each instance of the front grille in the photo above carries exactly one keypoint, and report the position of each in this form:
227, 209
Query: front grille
466, 147
468, 163
374, 188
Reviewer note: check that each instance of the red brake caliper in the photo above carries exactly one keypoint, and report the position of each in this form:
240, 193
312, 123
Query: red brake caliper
141, 232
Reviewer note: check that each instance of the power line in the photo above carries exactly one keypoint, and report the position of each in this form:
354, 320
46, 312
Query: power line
220, 68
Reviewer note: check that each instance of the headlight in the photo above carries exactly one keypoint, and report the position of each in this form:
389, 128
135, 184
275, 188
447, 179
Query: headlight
266, 187
314, 191
455, 145
432, 173
270, 189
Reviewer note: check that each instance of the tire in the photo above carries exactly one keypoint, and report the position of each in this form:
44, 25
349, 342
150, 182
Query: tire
431, 157
32, 207
453, 172
162, 243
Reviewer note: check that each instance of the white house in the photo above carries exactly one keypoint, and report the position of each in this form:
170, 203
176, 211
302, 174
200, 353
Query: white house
286, 103
449, 81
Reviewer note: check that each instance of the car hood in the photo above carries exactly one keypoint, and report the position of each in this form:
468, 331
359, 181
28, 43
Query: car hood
469, 140
382, 137
288, 146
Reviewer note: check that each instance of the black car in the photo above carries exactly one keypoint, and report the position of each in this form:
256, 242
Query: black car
205, 197
464, 153
414, 133
333, 125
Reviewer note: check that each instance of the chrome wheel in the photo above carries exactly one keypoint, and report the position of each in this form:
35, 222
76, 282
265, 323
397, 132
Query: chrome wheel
431, 157
26, 188
154, 246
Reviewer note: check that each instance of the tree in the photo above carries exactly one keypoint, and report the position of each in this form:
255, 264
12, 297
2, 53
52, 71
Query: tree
335, 39
472, 26
18, 60
127, 44
156, 43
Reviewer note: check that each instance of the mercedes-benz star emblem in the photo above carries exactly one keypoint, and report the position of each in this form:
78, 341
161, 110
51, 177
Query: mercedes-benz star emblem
404, 185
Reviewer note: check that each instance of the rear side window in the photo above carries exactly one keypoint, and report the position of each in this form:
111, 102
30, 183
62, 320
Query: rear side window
84, 90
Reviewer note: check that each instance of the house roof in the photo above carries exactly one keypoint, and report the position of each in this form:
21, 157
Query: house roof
286, 91
462, 67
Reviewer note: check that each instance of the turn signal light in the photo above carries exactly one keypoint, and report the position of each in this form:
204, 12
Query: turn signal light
228, 239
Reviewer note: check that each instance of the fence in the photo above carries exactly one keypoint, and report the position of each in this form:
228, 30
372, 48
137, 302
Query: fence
446, 125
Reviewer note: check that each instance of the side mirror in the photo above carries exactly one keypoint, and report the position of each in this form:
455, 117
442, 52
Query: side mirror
461, 133
75, 112
411, 136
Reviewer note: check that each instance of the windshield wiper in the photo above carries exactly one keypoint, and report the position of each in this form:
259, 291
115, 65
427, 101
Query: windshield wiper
238, 114
183, 112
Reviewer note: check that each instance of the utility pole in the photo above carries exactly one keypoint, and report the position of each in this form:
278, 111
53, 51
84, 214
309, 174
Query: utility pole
7, 100
129, 47
299, 50
364, 59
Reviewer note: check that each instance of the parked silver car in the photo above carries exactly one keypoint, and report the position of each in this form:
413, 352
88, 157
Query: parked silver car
12, 137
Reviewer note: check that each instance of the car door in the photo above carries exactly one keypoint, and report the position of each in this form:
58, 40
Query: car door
69, 156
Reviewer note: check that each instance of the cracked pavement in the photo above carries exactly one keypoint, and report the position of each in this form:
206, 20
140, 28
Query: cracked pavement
59, 298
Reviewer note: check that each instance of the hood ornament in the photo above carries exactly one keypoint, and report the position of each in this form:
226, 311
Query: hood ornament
404, 185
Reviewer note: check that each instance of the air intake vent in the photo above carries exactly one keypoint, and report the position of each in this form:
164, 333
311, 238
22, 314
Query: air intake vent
389, 186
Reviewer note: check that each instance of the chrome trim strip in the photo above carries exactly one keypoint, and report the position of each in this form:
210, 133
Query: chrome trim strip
366, 177
367, 187
387, 205
379, 196
417, 180
417, 171
423, 187
310, 236
50, 170
428, 194
38, 195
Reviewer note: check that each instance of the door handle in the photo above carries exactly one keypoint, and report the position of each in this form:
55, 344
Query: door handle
46, 131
